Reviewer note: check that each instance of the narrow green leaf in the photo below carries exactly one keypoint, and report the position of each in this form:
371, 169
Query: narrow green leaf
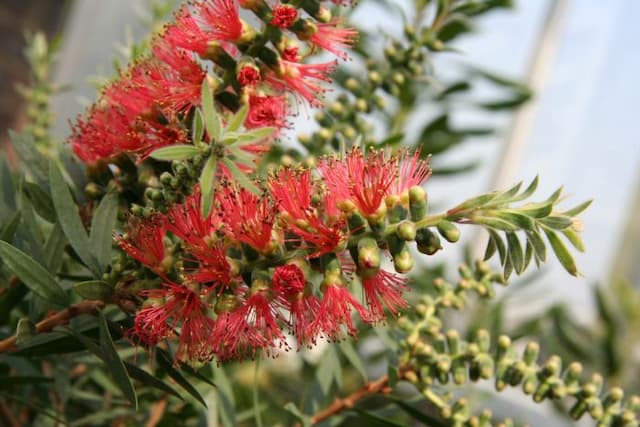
490, 250
149, 380
516, 218
495, 223
510, 193
536, 210
10, 226
508, 267
31, 230
33, 275
175, 152
329, 369
41, 201
473, 203
578, 209
528, 254
211, 117
372, 420
102, 227
418, 415
555, 196
207, 178
561, 252
31, 157
54, 248
557, 222
354, 358
293, 409
242, 156
574, 238
240, 177
115, 366
93, 289
238, 118
531, 188
539, 248
38, 409
502, 251
165, 363
69, 219
255, 135
197, 131
10, 381
515, 252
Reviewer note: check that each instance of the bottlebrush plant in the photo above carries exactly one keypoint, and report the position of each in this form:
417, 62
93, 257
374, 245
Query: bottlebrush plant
187, 266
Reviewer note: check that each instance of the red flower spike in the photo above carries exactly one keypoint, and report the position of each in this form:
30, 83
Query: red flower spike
363, 181
335, 312
333, 38
289, 289
267, 111
381, 290
214, 269
303, 79
221, 19
284, 15
185, 32
185, 221
177, 307
293, 192
247, 217
412, 171
145, 243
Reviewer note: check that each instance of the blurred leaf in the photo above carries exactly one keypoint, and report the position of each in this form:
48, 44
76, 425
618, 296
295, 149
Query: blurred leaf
198, 127
419, 415
115, 366
578, 209
33, 275
502, 251
7, 193
238, 119
240, 177
515, 252
54, 248
252, 136
574, 238
102, 228
10, 226
7, 382
41, 201
149, 380
175, 152
557, 222
38, 409
30, 230
165, 363
372, 420
31, 158
328, 370
69, 218
304, 419
211, 117
455, 25
540, 249
461, 86
354, 358
93, 290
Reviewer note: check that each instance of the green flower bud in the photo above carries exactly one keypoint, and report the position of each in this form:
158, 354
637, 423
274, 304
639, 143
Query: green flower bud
368, 253
406, 230
93, 191
417, 202
427, 241
449, 231
403, 261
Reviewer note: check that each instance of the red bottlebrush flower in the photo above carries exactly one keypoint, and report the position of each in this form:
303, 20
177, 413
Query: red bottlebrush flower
332, 38
185, 221
267, 111
178, 80
221, 19
214, 269
335, 312
284, 15
102, 134
384, 289
363, 181
248, 328
185, 32
176, 307
303, 79
248, 75
247, 217
289, 289
293, 192
412, 171
145, 242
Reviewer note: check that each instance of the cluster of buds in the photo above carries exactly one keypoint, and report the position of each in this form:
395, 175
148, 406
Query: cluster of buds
293, 258
151, 104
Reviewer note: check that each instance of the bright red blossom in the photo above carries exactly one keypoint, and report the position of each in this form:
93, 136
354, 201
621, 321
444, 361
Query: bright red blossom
333, 38
284, 15
381, 290
248, 75
303, 79
267, 111
221, 19
145, 243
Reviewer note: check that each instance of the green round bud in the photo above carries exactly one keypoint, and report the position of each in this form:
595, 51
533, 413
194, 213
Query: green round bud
93, 191
449, 231
427, 241
406, 230
403, 261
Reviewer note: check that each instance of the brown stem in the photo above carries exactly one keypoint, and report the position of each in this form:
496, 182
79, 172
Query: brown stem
157, 412
381, 385
56, 319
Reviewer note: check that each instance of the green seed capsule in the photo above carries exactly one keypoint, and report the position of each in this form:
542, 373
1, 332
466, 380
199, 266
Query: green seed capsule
427, 241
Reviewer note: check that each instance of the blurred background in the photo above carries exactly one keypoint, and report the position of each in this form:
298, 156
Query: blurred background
579, 129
